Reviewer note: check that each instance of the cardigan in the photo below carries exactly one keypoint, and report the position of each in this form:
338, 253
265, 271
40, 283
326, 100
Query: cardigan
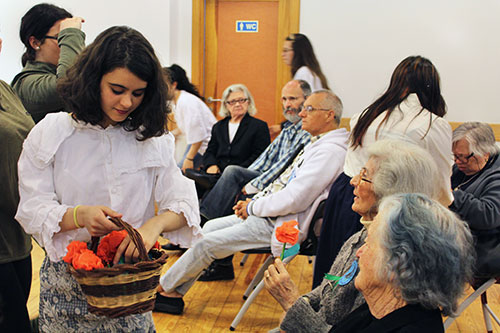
15, 124
251, 138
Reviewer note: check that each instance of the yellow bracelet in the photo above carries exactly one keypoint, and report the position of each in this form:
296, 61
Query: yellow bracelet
74, 217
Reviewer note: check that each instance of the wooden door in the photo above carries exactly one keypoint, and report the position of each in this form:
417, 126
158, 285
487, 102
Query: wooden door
223, 56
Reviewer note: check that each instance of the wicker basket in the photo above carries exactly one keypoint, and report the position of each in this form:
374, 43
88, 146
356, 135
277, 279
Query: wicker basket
123, 289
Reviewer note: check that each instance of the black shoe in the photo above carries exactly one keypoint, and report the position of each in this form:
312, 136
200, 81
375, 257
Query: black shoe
216, 272
172, 247
172, 305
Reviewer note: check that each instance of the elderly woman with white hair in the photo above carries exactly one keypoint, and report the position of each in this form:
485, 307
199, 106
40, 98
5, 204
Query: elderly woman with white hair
476, 191
413, 267
392, 167
239, 138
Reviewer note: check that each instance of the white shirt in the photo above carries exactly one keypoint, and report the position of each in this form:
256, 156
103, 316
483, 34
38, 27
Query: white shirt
406, 124
65, 163
304, 73
232, 129
194, 119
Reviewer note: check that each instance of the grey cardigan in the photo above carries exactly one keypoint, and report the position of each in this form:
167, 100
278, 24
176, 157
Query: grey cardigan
321, 309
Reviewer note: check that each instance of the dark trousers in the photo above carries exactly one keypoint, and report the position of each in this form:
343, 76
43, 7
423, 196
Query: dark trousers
339, 223
15, 284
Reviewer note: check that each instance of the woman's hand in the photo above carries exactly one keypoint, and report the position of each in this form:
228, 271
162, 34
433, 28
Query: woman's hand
95, 219
187, 164
213, 169
279, 284
71, 22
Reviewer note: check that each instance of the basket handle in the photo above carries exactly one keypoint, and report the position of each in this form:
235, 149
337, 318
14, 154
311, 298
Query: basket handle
134, 235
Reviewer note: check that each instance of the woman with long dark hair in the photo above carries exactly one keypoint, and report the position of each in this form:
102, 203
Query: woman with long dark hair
298, 53
193, 117
410, 110
53, 39
109, 157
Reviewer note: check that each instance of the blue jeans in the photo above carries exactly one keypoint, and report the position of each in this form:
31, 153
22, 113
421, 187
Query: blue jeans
220, 200
221, 238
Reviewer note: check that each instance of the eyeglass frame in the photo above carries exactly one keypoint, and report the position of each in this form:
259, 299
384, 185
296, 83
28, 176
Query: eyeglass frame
310, 109
238, 100
51, 37
362, 174
463, 159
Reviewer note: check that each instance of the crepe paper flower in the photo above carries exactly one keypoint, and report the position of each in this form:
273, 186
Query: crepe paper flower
108, 245
287, 233
87, 260
157, 245
74, 248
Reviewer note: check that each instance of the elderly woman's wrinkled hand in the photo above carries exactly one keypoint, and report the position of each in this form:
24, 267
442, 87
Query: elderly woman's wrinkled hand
279, 284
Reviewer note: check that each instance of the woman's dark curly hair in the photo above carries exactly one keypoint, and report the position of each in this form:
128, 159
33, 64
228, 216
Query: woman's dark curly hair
117, 47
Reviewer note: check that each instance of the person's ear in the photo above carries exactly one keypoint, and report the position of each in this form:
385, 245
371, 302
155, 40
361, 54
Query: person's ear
34, 43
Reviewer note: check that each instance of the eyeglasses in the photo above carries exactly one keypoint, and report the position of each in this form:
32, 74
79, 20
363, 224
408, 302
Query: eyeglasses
463, 159
309, 108
239, 100
51, 37
362, 176
287, 50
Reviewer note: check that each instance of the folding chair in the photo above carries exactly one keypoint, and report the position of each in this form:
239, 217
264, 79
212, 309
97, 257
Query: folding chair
307, 247
482, 287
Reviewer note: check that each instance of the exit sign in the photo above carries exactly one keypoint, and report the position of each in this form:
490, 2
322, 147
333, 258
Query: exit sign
247, 26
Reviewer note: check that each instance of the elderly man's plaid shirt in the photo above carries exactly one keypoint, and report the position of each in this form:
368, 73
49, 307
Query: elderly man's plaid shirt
277, 154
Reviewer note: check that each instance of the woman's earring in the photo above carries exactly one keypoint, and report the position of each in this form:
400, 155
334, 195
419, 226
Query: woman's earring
37, 48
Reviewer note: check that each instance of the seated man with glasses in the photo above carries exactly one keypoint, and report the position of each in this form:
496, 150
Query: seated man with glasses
476, 190
294, 195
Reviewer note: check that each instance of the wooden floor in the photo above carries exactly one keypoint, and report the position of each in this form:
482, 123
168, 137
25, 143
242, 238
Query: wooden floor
211, 306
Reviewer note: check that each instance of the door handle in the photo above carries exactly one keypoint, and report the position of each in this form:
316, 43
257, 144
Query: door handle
212, 100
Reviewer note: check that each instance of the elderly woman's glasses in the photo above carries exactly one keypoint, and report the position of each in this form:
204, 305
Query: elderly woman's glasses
463, 159
309, 108
362, 176
239, 100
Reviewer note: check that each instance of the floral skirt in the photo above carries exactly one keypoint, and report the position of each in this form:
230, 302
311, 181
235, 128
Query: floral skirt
63, 306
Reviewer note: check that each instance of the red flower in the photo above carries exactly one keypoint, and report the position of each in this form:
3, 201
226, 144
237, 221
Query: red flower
109, 244
287, 233
157, 245
74, 248
87, 260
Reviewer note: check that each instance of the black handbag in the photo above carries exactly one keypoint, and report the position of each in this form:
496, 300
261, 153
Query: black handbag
488, 254
202, 178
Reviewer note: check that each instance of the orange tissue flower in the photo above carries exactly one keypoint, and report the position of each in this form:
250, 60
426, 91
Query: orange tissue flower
109, 244
287, 233
87, 260
74, 248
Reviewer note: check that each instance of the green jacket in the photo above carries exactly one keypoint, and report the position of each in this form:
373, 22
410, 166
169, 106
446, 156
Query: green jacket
15, 123
36, 83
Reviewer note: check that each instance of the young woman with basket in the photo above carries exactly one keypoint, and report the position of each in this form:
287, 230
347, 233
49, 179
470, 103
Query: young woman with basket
109, 158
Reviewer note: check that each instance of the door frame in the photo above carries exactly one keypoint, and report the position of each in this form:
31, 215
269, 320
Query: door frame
204, 45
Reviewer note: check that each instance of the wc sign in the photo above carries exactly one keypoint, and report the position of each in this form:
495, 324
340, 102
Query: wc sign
247, 26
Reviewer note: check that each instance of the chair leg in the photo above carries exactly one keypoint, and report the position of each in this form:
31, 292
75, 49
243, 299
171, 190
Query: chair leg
255, 291
487, 312
310, 259
244, 259
258, 276
468, 301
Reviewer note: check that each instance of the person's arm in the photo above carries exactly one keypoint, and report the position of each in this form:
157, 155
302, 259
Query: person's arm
189, 160
481, 212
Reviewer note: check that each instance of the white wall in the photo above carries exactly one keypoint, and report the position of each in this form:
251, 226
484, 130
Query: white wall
166, 24
360, 42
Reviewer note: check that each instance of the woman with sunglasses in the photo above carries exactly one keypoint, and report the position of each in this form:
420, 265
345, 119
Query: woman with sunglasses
53, 39
410, 110
239, 138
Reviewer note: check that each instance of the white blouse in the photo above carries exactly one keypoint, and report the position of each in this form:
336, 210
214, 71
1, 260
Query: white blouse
194, 119
65, 163
406, 124
304, 73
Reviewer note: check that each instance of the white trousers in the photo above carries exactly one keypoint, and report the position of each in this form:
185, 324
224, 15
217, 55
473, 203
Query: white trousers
222, 237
